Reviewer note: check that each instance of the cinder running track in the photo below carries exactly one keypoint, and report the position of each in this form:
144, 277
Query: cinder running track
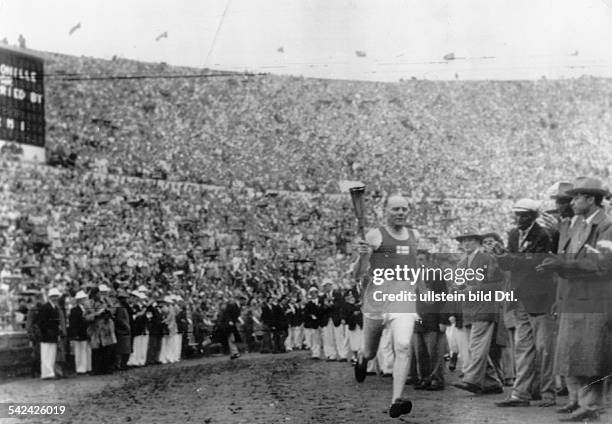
286, 388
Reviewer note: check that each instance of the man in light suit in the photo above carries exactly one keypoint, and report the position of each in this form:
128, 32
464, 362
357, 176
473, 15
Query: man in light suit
585, 328
482, 373
534, 336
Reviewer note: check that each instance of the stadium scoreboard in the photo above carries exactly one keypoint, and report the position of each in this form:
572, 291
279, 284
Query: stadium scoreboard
22, 105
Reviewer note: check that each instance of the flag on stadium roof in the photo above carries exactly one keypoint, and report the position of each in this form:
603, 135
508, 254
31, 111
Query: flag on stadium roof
162, 35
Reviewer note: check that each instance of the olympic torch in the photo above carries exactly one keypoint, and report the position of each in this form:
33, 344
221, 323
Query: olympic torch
357, 196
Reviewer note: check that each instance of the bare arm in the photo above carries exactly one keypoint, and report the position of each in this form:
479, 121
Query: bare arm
365, 248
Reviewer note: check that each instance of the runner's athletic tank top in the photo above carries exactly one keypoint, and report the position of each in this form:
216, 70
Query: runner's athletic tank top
388, 255
393, 252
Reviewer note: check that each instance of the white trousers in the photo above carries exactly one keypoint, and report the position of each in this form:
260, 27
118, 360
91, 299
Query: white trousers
340, 338
48, 353
307, 336
459, 342
289, 339
82, 356
315, 342
177, 343
139, 355
165, 351
298, 337
355, 339
373, 366
231, 343
385, 354
329, 341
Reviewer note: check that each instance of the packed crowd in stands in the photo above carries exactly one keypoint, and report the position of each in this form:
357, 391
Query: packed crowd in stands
429, 139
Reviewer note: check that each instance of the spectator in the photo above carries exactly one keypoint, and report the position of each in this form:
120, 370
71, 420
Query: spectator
48, 322
77, 333
140, 330
123, 330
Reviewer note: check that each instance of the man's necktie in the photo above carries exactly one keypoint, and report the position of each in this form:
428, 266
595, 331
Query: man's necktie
579, 235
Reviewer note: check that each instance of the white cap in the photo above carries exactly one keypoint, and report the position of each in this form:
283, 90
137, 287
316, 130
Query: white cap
327, 281
54, 292
526, 205
143, 289
141, 295
80, 295
103, 288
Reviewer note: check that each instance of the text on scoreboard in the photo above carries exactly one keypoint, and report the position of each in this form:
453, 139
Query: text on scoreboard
22, 107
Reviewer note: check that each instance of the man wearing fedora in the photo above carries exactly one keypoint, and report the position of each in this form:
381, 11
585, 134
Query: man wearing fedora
528, 242
48, 321
585, 326
482, 374
562, 216
560, 222
77, 332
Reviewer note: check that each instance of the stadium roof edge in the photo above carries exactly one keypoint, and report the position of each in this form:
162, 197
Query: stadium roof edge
25, 52
47, 54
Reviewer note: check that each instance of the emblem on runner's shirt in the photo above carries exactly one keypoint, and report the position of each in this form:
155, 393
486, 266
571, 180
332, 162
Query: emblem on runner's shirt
402, 250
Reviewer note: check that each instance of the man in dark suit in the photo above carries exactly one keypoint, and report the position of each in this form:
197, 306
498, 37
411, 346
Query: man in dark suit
281, 325
338, 316
327, 331
77, 333
48, 321
528, 242
354, 324
155, 318
182, 326
481, 374
123, 330
430, 334
267, 319
585, 326
228, 322
34, 333
559, 223
312, 321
